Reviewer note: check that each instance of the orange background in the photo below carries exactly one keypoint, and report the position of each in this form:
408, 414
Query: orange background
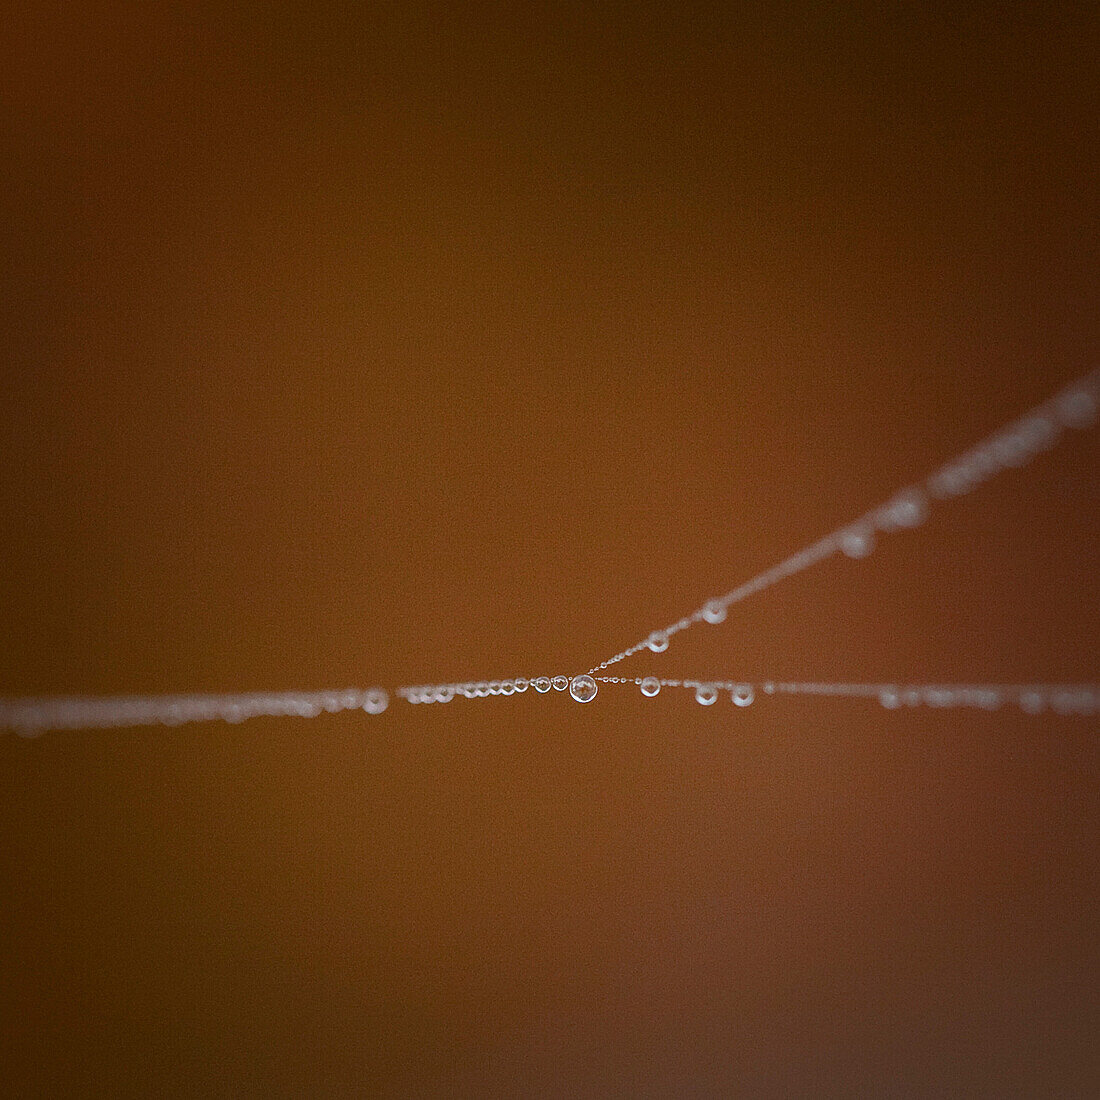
392, 345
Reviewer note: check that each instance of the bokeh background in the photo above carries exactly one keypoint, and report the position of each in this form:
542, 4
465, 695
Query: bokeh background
397, 343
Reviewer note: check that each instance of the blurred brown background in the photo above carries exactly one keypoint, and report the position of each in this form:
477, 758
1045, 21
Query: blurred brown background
388, 344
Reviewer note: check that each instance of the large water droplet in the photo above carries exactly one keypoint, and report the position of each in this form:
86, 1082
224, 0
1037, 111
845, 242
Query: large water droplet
583, 688
743, 695
857, 542
376, 701
715, 612
657, 641
521, 684
650, 686
560, 683
542, 683
705, 694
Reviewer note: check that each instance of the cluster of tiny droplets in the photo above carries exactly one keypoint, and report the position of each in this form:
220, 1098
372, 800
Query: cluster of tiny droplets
582, 688
1075, 407
29, 717
1065, 699
471, 689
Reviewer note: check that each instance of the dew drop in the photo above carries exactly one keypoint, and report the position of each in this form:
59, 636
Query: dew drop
375, 701
952, 481
1077, 408
742, 695
857, 542
445, 694
908, 510
482, 689
1011, 448
715, 612
657, 641
1062, 701
1039, 432
889, 698
542, 683
521, 684
583, 688
705, 694
560, 683
650, 686
1031, 702
507, 687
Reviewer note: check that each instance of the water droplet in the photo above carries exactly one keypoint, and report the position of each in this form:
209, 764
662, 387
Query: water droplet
952, 481
1011, 448
521, 684
375, 701
1077, 408
542, 683
494, 687
583, 688
560, 683
1031, 702
482, 689
705, 694
742, 695
907, 510
1039, 432
715, 612
507, 687
1062, 701
445, 694
889, 698
657, 641
650, 686
857, 542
